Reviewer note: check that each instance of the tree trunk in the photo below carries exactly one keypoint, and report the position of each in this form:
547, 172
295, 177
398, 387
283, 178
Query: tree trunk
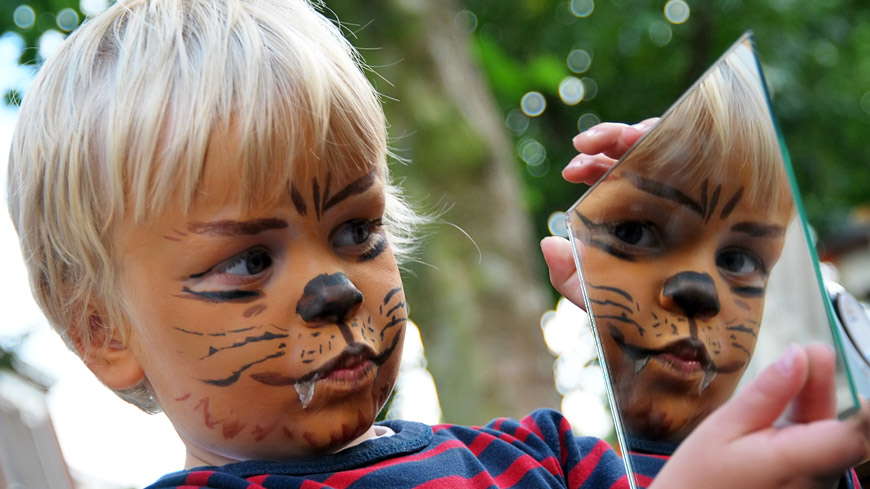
479, 298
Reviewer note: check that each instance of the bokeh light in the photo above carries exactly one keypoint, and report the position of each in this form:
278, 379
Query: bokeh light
571, 90
582, 8
531, 151
660, 33
24, 17
576, 370
558, 224
579, 60
93, 7
516, 122
587, 120
590, 88
465, 21
677, 11
67, 19
49, 41
533, 104
825, 53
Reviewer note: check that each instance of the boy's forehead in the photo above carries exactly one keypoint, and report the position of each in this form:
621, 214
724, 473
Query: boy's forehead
227, 171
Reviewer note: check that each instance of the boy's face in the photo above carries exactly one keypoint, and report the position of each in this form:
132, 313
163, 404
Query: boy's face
676, 275
272, 332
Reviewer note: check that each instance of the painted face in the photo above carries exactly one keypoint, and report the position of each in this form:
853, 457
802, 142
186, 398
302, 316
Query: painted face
676, 276
268, 332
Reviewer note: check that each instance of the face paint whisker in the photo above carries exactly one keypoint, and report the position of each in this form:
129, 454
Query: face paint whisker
614, 290
391, 293
251, 339
234, 377
624, 319
393, 322
742, 329
607, 302
223, 333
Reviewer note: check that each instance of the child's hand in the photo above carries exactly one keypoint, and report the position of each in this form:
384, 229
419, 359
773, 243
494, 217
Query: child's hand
599, 147
739, 445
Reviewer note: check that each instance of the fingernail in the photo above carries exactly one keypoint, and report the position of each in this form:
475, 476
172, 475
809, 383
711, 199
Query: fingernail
785, 364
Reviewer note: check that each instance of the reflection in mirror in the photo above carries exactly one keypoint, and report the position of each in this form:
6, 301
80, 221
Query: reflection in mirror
694, 260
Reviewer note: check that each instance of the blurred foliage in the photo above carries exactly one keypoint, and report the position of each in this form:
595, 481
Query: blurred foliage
816, 57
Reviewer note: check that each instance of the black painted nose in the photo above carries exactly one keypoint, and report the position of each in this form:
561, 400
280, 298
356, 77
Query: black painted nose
328, 298
693, 293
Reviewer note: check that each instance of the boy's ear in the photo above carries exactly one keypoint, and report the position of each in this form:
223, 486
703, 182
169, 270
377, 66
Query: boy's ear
110, 359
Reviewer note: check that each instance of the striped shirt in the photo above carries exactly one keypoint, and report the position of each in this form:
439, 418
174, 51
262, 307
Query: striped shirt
539, 451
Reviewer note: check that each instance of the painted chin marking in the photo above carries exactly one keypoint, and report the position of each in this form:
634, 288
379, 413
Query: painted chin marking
684, 360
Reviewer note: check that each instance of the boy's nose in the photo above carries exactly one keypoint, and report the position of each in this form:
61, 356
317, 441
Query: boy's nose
328, 299
693, 293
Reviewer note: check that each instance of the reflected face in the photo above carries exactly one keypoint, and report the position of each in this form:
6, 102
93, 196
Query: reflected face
676, 276
273, 331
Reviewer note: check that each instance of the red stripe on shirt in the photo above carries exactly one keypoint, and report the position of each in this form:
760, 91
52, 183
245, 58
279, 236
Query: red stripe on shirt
481, 481
578, 475
521, 466
198, 478
258, 480
344, 479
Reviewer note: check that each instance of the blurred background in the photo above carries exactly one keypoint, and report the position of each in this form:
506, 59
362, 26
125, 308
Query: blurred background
483, 98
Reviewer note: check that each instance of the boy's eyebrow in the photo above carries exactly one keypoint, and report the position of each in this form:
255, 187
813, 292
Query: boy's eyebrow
759, 229
665, 191
357, 186
229, 227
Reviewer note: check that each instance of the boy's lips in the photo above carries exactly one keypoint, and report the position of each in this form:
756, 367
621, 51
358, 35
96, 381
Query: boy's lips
686, 357
355, 359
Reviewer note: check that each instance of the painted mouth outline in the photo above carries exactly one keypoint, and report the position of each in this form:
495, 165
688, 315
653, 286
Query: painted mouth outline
684, 348
353, 354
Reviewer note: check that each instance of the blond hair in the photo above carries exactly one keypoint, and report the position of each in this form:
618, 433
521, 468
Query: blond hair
118, 120
722, 124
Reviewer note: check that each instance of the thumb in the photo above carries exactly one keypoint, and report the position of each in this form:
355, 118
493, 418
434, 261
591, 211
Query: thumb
563, 271
759, 404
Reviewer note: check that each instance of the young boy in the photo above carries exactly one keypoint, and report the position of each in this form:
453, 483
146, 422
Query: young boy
202, 198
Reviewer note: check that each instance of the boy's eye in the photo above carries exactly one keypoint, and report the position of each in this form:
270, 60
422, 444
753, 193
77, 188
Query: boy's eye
636, 234
356, 232
738, 262
250, 262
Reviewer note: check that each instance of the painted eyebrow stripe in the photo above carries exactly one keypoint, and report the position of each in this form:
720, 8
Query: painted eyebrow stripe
229, 227
759, 230
731, 204
358, 186
298, 201
664, 191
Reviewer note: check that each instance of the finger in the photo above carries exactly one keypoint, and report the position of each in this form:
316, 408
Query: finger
587, 168
563, 271
761, 402
837, 446
817, 400
611, 138
603, 138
